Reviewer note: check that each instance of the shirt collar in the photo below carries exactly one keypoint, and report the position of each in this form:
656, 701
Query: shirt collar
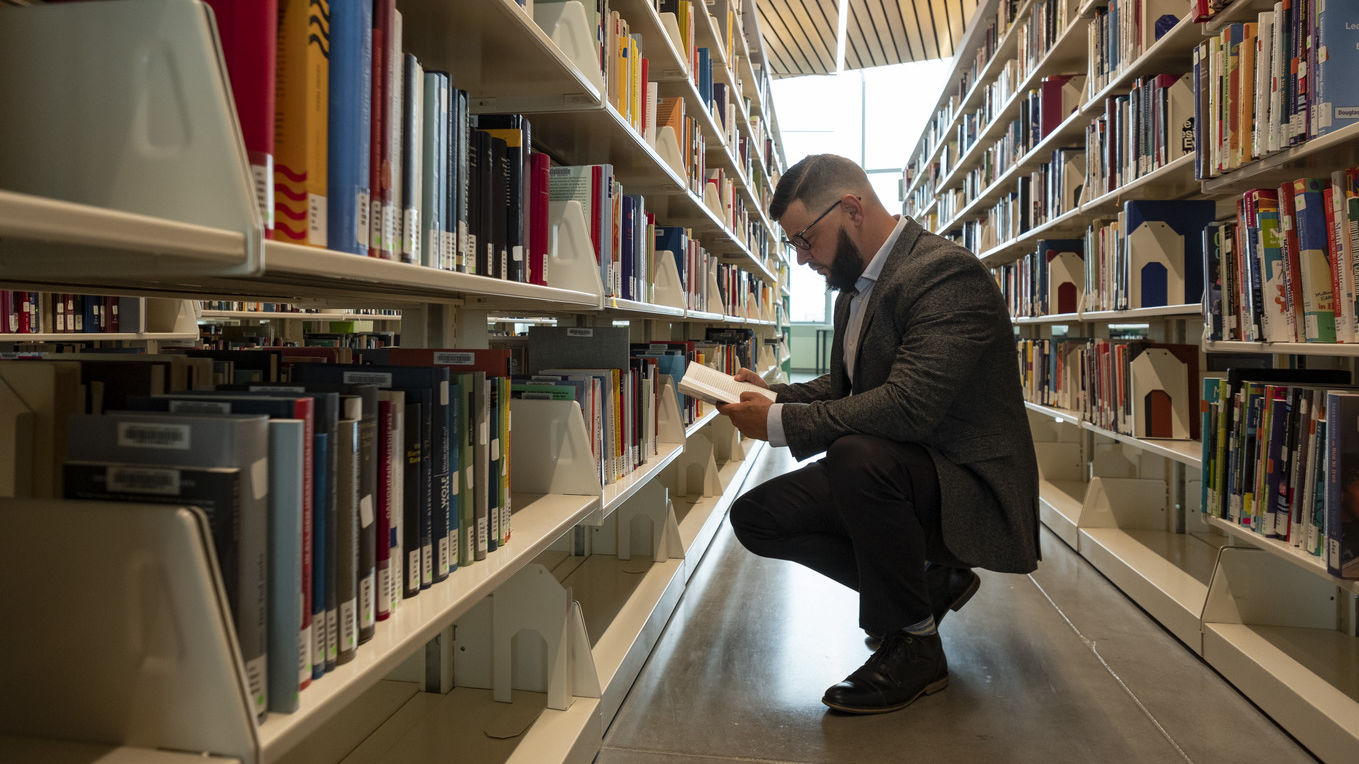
874, 267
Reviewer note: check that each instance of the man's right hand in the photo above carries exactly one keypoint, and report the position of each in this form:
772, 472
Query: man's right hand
746, 375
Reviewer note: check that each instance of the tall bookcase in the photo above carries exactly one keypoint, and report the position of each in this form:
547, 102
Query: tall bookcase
1267, 617
92, 205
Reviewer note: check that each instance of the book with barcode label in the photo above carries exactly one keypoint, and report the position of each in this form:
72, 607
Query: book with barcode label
145, 456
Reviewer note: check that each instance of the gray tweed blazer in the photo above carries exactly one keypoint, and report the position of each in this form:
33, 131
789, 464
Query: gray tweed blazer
937, 366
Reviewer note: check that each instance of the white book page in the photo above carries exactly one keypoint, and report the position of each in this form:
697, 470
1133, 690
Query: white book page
715, 387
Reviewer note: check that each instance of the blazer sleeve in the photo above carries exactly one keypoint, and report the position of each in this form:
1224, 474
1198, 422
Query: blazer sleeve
949, 316
818, 389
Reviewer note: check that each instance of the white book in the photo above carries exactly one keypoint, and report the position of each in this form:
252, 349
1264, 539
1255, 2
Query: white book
1264, 52
709, 384
1276, 78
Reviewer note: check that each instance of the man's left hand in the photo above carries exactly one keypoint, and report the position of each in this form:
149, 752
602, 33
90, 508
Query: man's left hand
751, 415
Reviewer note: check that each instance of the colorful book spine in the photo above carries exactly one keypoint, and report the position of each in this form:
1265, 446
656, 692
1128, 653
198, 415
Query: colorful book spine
302, 92
350, 123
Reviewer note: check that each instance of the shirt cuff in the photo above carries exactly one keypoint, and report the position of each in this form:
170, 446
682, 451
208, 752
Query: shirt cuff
774, 424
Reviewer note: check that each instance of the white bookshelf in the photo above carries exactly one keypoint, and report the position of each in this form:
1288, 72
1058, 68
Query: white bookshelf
375, 706
1263, 613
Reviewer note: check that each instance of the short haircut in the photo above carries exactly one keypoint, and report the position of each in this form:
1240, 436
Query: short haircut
818, 180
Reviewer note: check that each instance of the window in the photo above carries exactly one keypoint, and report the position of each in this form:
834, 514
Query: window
873, 116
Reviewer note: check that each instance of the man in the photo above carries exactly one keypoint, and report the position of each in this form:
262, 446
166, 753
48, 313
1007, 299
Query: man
929, 467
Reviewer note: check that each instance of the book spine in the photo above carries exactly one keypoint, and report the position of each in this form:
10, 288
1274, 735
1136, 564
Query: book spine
351, 56
302, 95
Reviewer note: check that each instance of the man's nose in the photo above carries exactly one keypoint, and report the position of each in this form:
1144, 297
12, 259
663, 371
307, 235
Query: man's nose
804, 256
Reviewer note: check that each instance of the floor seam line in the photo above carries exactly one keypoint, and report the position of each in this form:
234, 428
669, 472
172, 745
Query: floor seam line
1090, 644
688, 755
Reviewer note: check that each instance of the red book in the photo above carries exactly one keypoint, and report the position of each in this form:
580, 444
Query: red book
538, 218
249, 34
495, 362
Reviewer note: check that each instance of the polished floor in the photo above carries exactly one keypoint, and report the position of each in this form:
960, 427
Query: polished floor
1057, 666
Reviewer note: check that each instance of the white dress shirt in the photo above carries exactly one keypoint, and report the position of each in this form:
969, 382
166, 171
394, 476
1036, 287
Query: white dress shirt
863, 288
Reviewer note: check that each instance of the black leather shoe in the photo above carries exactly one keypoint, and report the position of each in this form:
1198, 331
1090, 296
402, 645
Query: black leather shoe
950, 588
904, 668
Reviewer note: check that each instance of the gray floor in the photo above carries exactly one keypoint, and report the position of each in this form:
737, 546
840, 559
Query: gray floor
1057, 666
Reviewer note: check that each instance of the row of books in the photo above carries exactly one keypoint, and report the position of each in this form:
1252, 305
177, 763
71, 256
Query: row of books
1268, 84
1130, 386
1148, 256
1281, 457
1121, 32
411, 175
28, 312
400, 486
1047, 21
241, 306
1283, 270
1139, 133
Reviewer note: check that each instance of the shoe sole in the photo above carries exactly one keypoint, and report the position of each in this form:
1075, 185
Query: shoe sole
929, 689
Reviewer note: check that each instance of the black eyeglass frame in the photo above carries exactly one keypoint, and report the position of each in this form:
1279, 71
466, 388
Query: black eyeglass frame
799, 239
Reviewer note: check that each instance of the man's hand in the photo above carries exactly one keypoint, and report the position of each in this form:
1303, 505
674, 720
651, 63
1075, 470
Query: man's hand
746, 375
751, 415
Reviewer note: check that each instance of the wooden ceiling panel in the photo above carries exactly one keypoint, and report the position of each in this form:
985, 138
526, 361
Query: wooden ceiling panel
800, 35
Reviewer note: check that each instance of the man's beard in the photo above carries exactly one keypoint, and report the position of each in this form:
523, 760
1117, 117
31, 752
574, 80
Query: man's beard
847, 266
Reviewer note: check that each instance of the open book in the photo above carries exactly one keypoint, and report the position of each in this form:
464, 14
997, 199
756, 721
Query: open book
713, 386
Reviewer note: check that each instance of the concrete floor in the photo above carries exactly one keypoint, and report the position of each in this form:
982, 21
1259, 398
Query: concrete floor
1056, 666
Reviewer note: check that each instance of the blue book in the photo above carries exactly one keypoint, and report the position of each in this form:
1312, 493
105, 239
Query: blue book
1158, 277
676, 240
1335, 102
351, 77
1314, 259
705, 77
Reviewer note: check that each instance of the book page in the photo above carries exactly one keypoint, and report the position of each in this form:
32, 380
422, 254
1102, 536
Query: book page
715, 387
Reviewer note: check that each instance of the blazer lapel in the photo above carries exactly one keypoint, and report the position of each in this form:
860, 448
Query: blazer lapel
885, 283
837, 360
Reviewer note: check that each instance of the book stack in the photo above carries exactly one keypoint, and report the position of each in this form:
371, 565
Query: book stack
1139, 133
1262, 86
26, 312
1283, 269
330, 486
1148, 256
1280, 454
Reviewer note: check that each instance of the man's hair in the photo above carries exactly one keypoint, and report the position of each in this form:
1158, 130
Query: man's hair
817, 181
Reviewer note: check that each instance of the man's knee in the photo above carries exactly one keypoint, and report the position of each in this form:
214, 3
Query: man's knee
749, 519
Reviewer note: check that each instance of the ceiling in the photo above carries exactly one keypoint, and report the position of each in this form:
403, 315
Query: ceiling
800, 35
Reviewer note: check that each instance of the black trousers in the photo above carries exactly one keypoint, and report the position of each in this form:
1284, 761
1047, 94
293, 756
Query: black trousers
865, 515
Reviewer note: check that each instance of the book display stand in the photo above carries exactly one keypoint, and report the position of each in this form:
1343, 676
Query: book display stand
129, 173
1262, 612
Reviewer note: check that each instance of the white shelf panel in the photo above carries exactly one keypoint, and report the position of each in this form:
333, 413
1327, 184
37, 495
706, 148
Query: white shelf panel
1065, 416
625, 487
470, 40
1172, 180
604, 135
1281, 549
1306, 679
537, 522
1143, 564
645, 309
1187, 452
1284, 348
32, 750
1324, 153
1059, 508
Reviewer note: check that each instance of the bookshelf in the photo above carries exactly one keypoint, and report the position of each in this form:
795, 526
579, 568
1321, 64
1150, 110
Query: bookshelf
197, 235
1265, 614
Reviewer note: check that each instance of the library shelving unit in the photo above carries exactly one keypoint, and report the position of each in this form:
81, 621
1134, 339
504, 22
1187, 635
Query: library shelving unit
139, 184
1267, 617
160, 320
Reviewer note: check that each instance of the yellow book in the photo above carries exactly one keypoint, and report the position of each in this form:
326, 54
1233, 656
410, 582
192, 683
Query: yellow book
301, 95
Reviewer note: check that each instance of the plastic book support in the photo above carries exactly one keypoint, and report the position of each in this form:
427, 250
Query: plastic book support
695, 472
1156, 252
714, 202
151, 76
670, 22
550, 449
574, 265
147, 574
667, 145
567, 25
528, 635
669, 428
669, 290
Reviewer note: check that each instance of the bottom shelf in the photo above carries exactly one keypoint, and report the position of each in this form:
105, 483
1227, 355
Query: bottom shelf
1306, 679
469, 725
1059, 508
26, 750
1166, 573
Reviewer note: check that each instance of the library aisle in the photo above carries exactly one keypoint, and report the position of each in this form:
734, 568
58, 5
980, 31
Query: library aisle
1057, 666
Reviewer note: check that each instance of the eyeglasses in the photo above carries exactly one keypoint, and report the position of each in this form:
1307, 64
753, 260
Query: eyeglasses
799, 239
